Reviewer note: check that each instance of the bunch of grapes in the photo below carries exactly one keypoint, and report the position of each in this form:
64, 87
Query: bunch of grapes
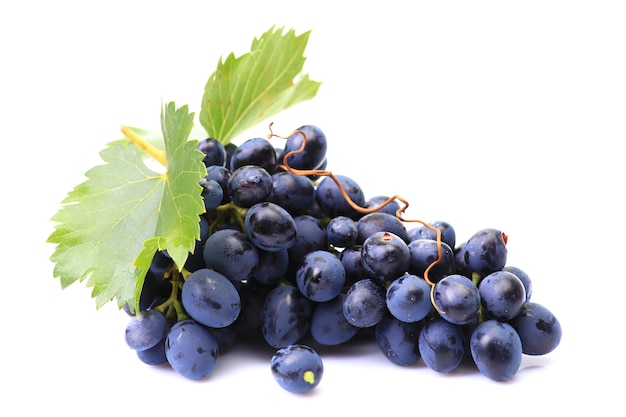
291, 255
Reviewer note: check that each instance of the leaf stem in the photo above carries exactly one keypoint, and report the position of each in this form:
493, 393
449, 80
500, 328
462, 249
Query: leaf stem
154, 152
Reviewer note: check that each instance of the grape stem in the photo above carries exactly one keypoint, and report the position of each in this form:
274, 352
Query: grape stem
171, 308
152, 151
364, 210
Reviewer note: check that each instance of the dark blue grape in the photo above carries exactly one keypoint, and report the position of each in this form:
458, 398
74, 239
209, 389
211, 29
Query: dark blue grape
457, 299
408, 298
213, 150
333, 203
351, 259
321, 276
524, 277
294, 193
191, 349
442, 345
448, 234
364, 304
248, 185
286, 316
342, 231
398, 340
460, 267
212, 193
328, 324
221, 175
231, 253
380, 222
155, 355
314, 152
310, 236
391, 207
256, 151
145, 330
297, 368
502, 295
496, 349
195, 260
270, 227
252, 294
272, 266
485, 251
230, 150
423, 252
539, 330
210, 298
226, 336
385, 256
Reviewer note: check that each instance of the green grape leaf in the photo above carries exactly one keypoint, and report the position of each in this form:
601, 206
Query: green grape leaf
244, 91
109, 227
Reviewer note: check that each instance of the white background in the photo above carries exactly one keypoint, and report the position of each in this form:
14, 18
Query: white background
481, 113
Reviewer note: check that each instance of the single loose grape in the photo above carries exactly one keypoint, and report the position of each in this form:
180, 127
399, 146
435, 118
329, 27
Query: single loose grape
297, 368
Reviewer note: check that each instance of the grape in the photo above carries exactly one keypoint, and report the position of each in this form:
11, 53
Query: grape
191, 349
408, 298
524, 277
214, 152
441, 345
297, 368
210, 298
380, 222
145, 330
460, 267
212, 193
331, 200
385, 256
252, 294
398, 340
226, 336
496, 349
502, 295
286, 316
352, 263
321, 276
391, 208
539, 330
272, 266
328, 324
221, 175
423, 252
485, 251
342, 231
457, 299
249, 185
448, 234
314, 152
231, 253
270, 227
364, 304
155, 355
293, 193
310, 236
256, 151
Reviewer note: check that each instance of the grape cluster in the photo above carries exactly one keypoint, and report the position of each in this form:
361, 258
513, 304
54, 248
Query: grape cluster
291, 255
